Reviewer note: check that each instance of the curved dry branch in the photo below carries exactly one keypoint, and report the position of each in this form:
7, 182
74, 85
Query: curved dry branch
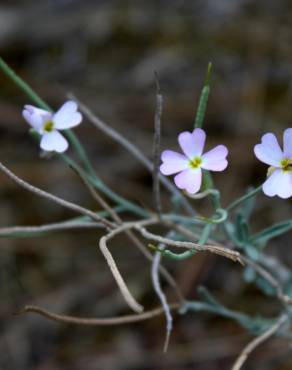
131, 148
270, 279
64, 203
216, 249
127, 319
57, 226
118, 277
257, 341
111, 262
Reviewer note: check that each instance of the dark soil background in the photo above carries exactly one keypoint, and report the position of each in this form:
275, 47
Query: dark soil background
106, 52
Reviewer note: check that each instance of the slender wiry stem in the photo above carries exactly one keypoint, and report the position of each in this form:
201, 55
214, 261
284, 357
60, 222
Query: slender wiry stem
161, 295
127, 319
23, 85
101, 186
64, 203
144, 250
203, 194
131, 148
257, 341
118, 277
269, 278
30, 231
96, 196
202, 106
156, 148
225, 252
242, 199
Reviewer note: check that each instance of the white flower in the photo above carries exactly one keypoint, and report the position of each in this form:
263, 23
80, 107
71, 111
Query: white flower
279, 181
49, 124
188, 166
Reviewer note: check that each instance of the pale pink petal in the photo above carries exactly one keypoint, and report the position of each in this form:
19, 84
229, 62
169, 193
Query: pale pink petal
287, 138
269, 150
190, 180
279, 183
32, 109
54, 141
67, 116
215, 159
192, 144
173, 162
35, 116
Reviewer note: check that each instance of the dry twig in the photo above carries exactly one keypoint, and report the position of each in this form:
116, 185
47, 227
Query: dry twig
222, 251
64, 203
114, 269
127, 319
58, 226
118, 277
131, 148
284, 298
156, 148
257, 341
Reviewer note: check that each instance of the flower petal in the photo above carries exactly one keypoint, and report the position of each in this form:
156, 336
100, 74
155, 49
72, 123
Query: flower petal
192, 144
54, 141
215, 159
279, 183
269, 150
287, 138
190, 180
67, 116
35, 116
173, 162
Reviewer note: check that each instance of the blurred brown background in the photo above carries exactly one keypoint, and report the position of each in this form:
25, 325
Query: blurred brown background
106, 52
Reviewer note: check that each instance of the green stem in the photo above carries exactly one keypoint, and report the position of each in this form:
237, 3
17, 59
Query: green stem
182, 256
209, 185
23, 85
238, 201
101, 186
222, 217
202, 106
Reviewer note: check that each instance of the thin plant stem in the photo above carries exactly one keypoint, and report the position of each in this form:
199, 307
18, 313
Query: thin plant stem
265, 274
23, 85
161, 296
257, 341
202, 106
182, 256
118, 277
132, 149
64, 203
33, 231
127, 319
156, 148
167, 276
242, 199
219, 250
100, 185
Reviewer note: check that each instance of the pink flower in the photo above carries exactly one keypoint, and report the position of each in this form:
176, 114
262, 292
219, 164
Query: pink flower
279, 181
49, 124
189, 165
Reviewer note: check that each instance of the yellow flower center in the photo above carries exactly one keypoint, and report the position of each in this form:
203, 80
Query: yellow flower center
195, 163
286, 165
48, 126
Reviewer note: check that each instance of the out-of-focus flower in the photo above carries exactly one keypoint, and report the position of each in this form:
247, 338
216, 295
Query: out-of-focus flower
189, 165
49, 124
279, 181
